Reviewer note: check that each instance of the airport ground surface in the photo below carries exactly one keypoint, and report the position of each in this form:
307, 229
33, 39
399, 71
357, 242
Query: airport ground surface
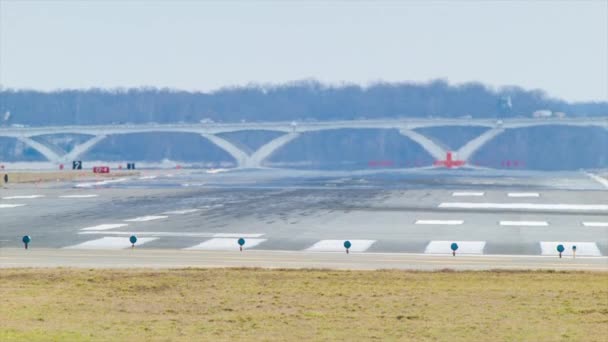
500, 215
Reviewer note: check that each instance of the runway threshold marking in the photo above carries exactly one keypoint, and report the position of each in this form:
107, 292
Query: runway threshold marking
440, 222
176, 234
106, 226
22, 197
582, 248
524, 223
338, 246
79, 196
464, 247
523, 194
7, 206
225, 244
109, 242
467, 194
147, 218
595, 224
536, 206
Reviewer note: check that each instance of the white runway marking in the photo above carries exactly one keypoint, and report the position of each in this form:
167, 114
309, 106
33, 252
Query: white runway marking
79, 196
105, 182
147, 177
582, 248
523, 194
147, 218
22, 197
524, 223
440, 222
468, 194
181, 212
174, 234
236, 235
110, 243
225, 244
338, 246
557, 207
106, 226
464, 247
595, 224
6, 206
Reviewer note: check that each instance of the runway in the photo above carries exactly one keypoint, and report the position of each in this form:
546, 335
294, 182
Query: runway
503, 219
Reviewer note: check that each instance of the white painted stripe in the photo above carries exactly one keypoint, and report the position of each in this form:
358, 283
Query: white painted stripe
6, 206
110, 243
523, 194
22, 197
106, 226
467, 194
236, 235
558, 207
440, 222
338, 246
79, 196
464, 247
181, 212
595, 224
147, 218
598, 179
147, 177
105, 182
524, 223
225, 244
174, 234
582, 248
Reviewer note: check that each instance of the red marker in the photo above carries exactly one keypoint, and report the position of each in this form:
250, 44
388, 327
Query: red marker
449, 162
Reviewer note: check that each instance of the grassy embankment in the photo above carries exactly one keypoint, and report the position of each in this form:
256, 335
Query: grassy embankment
58, 176
256, 304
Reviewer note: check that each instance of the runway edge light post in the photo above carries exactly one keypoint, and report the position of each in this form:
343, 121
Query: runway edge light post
454, 248
347, 245
560, 250
133, 240
26, 240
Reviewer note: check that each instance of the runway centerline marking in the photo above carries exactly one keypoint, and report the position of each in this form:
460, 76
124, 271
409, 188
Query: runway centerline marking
523, 194
467, 194
524, 223
595, 224
110, 243
79, 196
464, 247
147, 218
542, 206
440, 222
106, 226
582, 248
338, 246
225, 244
22, 197
6, 206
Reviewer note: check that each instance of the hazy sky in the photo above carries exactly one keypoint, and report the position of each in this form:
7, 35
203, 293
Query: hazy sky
558, 46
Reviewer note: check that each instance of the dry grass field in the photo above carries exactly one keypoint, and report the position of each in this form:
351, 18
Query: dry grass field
280, 305
59, 176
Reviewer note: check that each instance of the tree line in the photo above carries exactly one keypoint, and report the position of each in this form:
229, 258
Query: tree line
295, 101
